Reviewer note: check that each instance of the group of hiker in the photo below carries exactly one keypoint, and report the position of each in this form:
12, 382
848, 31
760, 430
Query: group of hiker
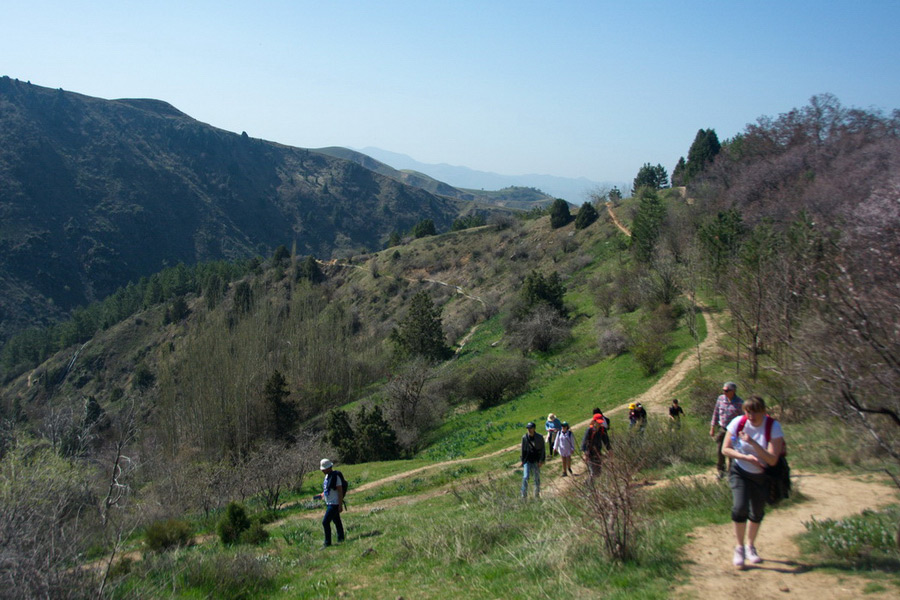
748, 439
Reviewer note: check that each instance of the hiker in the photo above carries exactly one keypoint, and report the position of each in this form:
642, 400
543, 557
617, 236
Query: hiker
640, 415
754, 441
728, 406
675, 413
552, 426
595, 438
606, 423
333, 494
564, 445
532, 460
632, 415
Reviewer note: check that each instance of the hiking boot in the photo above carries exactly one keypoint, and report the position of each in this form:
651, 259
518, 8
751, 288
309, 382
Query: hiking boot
738, 557
751, 556
324, 546
565, 474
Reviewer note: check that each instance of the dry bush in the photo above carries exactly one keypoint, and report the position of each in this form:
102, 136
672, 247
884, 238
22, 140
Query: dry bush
414, 402
612, 504
540, 330
494, 379
612, 339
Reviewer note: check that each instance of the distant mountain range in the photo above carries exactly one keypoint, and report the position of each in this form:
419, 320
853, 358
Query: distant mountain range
576, 190
95, 193
518, 197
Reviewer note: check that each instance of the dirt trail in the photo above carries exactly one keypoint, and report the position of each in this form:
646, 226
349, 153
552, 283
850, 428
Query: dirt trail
782, 573
616, 221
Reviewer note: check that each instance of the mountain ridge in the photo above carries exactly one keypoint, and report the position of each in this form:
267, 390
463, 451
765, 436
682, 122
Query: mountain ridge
95, 193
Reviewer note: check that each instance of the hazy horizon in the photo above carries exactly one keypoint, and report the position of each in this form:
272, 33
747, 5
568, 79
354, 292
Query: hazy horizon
574, 89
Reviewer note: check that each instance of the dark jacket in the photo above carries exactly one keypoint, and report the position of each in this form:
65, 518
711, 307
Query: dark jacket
595, 438
533, 448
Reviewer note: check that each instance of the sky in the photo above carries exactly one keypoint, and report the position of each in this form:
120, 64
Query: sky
589, 89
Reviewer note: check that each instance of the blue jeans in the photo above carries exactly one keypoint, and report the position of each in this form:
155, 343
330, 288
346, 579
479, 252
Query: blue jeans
532, 469
332, 513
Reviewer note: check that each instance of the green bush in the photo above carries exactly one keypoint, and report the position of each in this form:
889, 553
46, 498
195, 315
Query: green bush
163, 535
232, 524
856, 536
256, 534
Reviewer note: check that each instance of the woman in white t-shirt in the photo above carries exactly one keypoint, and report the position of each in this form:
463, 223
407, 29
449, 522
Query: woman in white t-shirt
747, 443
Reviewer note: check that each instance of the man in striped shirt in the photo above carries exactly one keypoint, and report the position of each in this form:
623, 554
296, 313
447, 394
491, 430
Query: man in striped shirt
728, 406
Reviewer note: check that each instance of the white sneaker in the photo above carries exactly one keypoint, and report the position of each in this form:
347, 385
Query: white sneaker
738, 557
751, 556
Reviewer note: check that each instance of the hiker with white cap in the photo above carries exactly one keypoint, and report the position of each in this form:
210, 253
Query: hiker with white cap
333, 488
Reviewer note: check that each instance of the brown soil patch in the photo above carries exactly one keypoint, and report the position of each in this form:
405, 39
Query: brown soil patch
783, 573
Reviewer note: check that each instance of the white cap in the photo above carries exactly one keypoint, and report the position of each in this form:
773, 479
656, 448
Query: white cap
325, 464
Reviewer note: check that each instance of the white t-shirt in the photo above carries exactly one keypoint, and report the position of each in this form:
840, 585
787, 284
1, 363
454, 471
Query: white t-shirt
758, 434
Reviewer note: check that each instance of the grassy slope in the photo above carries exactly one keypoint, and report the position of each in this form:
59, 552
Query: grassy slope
406, 540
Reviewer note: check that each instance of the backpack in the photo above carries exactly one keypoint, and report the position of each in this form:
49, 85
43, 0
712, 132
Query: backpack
778, 475
343, 482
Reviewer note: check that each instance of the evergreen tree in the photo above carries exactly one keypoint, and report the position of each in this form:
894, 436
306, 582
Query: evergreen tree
421, 332
393, 240
376, 440
310, 271
678, 173
587, 214
559, 213
281, 255
540, 290
339, 434
721, 239
654, 178
647, 226
284, 412
424, 228
702, 153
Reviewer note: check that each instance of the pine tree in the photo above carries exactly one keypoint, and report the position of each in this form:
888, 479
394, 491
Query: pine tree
424, 228
376, 439
310, 271
647, 226
587, 214
654, 178
340, 435
540, 290
559, 213
421, 332
284, 413
702, 153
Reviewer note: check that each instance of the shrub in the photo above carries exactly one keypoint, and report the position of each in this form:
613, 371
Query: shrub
856, 536
541, 330
611, 338
164, 535
492, 380
256, 534
559, 213
232, 524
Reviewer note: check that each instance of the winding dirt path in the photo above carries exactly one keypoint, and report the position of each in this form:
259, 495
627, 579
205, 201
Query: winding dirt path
615, 219
782, 573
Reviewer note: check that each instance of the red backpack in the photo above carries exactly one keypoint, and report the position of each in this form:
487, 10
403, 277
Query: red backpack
769, 422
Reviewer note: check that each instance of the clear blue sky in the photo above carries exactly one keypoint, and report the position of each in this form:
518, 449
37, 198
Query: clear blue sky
592, 89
